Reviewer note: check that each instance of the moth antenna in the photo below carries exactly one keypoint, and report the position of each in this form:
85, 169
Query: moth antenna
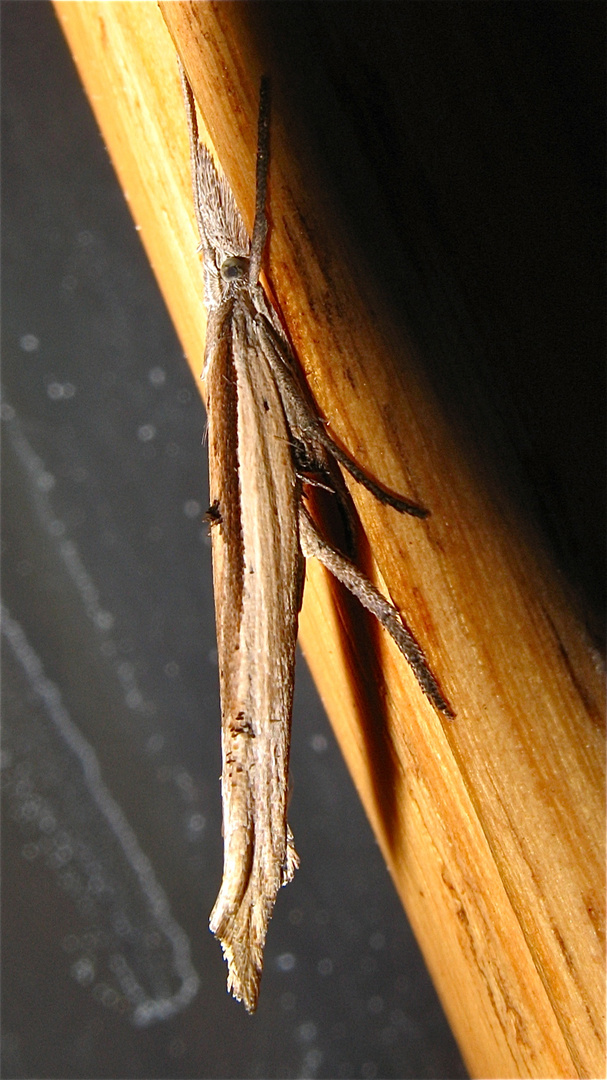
190, 111
260, 225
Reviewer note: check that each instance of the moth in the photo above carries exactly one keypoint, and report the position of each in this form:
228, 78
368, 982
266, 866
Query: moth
266, 445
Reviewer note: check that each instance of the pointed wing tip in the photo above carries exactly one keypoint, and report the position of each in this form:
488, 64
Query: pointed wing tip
244, 973
240, 925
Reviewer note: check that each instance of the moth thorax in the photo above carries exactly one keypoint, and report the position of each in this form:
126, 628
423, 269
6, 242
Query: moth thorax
234, 268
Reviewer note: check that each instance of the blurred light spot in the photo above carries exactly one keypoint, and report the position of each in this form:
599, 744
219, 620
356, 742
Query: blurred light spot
313, 1058
285, 962
146, 432
192, 508
306, 1032
157, 376
47, 822
104, 620
29, 343
155, 743
106, 995
28, 811
83, 971
319, 743
45, 481
185, 784
196, 826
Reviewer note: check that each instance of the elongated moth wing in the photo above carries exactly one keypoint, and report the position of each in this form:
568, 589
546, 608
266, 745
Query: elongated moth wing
256, 573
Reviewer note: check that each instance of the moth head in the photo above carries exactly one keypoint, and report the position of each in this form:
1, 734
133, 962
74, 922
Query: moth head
234, 269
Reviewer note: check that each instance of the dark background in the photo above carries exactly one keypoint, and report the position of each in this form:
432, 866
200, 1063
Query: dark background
111, 834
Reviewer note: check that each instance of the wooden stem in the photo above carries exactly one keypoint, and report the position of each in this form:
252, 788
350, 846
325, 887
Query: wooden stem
492, 824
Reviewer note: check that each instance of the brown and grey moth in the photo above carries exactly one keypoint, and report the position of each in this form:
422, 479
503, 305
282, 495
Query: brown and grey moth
266, 445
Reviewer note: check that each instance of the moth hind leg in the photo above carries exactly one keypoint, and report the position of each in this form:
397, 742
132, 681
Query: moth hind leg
324, 478
314, 545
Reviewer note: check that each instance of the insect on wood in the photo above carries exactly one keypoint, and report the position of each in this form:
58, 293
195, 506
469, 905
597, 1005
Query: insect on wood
266, 444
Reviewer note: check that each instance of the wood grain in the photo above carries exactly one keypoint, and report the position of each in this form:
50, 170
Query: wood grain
492, 825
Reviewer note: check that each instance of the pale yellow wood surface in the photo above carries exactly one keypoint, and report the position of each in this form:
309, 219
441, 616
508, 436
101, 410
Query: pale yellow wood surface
492, 825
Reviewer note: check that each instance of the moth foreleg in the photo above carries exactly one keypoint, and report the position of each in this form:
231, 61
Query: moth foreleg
309, 429
314, 545
377, 490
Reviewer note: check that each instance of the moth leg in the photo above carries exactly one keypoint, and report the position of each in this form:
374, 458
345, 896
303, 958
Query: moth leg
314, 545
326, 476
213, 515
307, 427
377, 490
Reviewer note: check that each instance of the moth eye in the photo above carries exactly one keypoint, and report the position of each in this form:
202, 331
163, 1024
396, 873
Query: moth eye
234, 268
